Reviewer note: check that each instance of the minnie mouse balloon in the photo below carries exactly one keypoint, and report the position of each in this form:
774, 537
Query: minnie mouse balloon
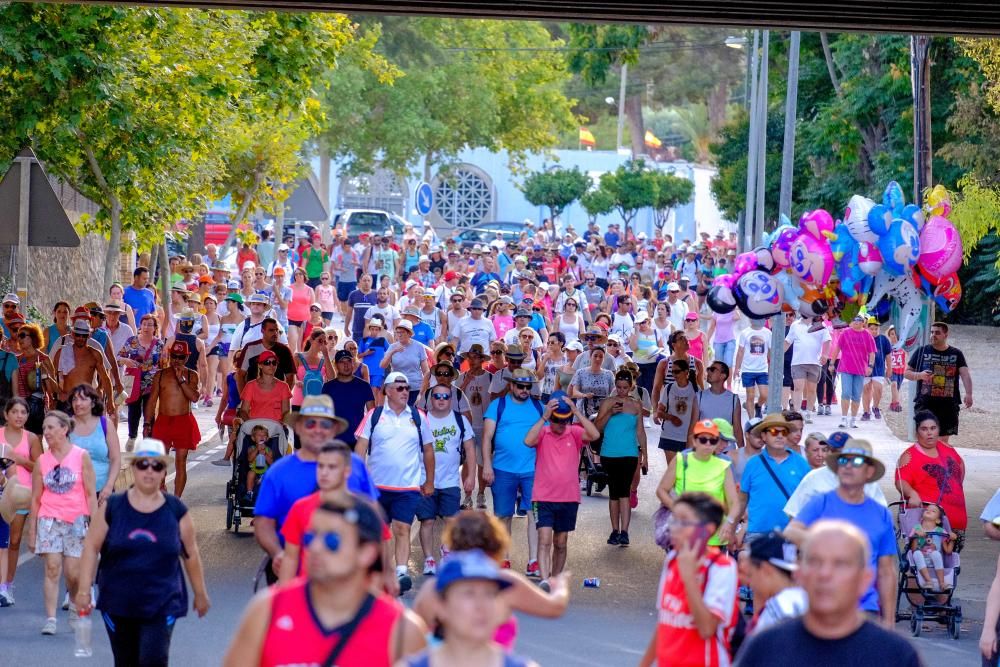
744, 262
765, 261
720, 295
900, 247
940, 248
758, 295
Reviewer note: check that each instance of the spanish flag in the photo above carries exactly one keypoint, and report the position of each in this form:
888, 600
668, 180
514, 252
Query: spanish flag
586, 137
651, 140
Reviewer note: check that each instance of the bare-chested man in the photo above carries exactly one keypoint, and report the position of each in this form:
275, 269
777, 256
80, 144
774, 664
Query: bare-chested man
78, 363
175, 388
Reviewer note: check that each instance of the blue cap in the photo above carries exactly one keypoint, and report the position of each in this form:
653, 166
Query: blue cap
466, 566
563, 411
838, 439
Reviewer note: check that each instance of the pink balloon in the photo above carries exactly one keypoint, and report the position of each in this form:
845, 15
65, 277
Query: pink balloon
782, 245
869, 258
745, 262
817, 223
940, 248
811, 259
725, 280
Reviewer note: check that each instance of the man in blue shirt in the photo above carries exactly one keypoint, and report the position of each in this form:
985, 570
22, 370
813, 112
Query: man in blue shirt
856, 466
611, 237
770, 479
352, 395
509, 464
422, 332
139, 296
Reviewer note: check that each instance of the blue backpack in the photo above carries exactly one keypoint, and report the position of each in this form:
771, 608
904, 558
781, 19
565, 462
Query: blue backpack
312, 382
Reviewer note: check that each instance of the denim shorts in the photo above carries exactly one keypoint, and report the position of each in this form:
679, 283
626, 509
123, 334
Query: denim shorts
444, 503
399, 505
725, 351
505, 487
754, 379
851, 386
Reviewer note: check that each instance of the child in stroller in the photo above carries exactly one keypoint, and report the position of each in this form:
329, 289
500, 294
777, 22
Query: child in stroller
928, 541
259, 458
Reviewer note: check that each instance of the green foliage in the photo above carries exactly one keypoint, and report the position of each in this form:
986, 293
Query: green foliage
597, 202
980, 302
556, 188
597, 49
463, 84
670, 191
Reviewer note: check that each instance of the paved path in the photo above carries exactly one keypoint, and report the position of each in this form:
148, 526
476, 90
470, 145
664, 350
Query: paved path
606, 626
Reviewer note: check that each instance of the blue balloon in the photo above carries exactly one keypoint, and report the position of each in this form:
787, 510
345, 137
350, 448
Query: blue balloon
853, 281
900, 247
893, 198
879, 219
914, 214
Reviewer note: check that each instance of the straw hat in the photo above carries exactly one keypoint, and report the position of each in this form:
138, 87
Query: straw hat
857, 447
773, 419
316, 406
15, 497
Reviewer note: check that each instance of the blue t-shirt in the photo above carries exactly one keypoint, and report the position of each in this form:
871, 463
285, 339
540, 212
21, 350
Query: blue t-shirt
883, 348
611, 239
765, 510
349, 399
422, 333
537, 322
480, 279
291, 478
870, 517
141, 300
510, 454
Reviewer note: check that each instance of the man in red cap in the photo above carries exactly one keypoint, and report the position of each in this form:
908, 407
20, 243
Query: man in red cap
175, 388
446, 289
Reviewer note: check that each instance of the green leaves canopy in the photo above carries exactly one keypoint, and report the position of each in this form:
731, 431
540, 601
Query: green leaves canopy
556, 188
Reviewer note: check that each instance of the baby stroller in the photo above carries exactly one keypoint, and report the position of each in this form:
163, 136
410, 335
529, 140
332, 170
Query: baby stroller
926, 603
594, 474
238, 505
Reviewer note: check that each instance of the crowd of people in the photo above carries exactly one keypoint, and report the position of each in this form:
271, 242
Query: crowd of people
417, 377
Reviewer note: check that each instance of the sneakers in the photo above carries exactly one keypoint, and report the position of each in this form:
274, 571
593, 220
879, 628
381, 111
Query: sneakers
544, 585
430, 566
222, 462
130, 444
854, 423
505, 565
50, 626
866, 416
876, 413
633, 499
843, 422
807, 417
532, 570
65, 604
405, 582
207, 403
6, 597
613, 538
481, 501
467, 503
757, 412
623, 539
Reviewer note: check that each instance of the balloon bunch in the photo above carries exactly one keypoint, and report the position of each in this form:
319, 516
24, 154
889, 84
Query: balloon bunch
890, 249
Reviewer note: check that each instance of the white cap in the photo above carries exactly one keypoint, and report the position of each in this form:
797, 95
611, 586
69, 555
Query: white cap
396, 376
427, 223
12, 298
249, 265
423, 258
575, 345
543, 286
641, 317
673, 287
283, 247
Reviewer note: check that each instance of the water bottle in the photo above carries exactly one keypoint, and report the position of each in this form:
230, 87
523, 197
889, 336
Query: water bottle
83, 629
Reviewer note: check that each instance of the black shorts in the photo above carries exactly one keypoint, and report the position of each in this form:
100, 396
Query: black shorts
946, 412
560, 517
296, 323
620, 471
668, 445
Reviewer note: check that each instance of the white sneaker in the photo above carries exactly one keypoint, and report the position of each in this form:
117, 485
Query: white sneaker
7, 598
65, 604
807, 417
130, 444
50, 626
843, 422
853, 423
430, 566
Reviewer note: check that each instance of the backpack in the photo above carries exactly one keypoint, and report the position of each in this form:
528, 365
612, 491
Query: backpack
503, 404
377, 414
312, 381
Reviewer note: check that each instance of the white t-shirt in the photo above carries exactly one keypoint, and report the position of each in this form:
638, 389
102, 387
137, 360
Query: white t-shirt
808, 346
395, 460
471, 331
680, 402
244, 336
478, 393
388, 313
823, 480
447, 449
678, 311
510, 338
756, 346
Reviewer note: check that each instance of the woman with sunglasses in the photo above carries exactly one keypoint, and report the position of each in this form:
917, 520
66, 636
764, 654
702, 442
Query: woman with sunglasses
23, 448
552, 360
63, 498
93, 434
592, 384
141, 581
264, 397
298, 308
570, 322
326, 293
35, 380
312, 368
141, 357
314, 323
699, 469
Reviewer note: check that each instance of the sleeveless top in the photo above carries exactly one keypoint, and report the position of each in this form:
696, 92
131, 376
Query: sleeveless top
431, 319
95, 444
63, 496
549, 378
23, 448
565, 379
570, 329
213, 331
228, 329
142, 551
697, 347
52, 336
646, 344
294, 637
411, 262
233, 395
192, 343
619, 436
298, 306
708, 476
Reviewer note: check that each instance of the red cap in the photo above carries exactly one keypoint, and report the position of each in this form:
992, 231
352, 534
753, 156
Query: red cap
81, 313
179, 347
450, 275
265, 355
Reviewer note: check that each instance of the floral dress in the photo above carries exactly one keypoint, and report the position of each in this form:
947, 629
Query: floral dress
148, 358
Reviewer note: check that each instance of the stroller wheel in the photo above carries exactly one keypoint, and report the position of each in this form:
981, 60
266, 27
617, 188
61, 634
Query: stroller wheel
590, 486
954, 626
916, 623
229, 513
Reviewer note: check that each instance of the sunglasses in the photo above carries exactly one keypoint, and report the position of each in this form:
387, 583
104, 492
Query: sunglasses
776, 430
442, 374
331, 541
853, 461
146, 464
259, 275
612, 344
24, 334
317, 422
496, 353
402, 387
518, 385
708, 441
269, 362
79, 335
181, 357
324, 278
441, 397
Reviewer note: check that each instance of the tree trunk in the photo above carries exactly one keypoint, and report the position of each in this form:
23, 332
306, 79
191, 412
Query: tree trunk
717, 108
165, 288
154, 261
196, 237
111, 259
637, 129
241, 214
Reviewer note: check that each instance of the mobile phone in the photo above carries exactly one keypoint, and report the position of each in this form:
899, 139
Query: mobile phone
700, 538
645, 470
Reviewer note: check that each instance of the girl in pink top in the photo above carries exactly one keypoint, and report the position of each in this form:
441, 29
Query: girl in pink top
62, 501
24, 448
695, 336
325, 294
856, 351
298, 307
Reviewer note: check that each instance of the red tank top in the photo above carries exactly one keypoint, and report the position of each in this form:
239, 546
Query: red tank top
295, 637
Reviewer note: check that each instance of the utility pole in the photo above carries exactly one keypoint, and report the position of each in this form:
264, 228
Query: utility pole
758, 223
746, 224
621, 108
775, 378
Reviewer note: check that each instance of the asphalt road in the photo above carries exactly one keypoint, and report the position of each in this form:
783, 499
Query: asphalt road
606, 626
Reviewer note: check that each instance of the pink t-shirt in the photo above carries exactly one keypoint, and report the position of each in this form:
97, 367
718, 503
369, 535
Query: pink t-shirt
502, 324
557, 465
265, 404
324, 295
298, 307
856, 347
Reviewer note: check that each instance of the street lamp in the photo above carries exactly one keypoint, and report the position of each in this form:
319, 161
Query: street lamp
734, 42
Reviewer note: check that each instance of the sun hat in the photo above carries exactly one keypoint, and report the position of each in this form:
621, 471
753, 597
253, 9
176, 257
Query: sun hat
705, 426
114, 306
81, 313
857, 447
447, 365
81, 327
594, 331
320, 406
523, 376
477, 304
248, 265
186, 315
773, 419
411, 311
522, 312
673, 287
441, 347
515, 352
475, 350
405, 324
150, 448
472, 565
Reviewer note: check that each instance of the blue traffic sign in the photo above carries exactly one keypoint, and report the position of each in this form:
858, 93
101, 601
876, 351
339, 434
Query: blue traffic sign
425, 199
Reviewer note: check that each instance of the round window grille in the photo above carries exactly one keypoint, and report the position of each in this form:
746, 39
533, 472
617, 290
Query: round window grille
463, 198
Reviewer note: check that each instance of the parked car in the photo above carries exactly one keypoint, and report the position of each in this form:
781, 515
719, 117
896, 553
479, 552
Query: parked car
484, 233
304, 230
356, 221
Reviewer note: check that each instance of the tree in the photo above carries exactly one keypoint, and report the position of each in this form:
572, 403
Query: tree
630, 188
671, 191
556, 188
463, 84
597, 202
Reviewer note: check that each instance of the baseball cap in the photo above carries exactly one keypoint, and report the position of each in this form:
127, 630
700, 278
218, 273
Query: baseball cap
396, 376
472, 565
750, 423
772, 548
249, 265
691, 317
522, 312
563, 411
265, 355
12, 298
450, 275
341, 355
278, 271
673, 287
706, 426
838, 439
180, 347
259, 298
283, 248
576, 346
233, 284
477, 304
725, 429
